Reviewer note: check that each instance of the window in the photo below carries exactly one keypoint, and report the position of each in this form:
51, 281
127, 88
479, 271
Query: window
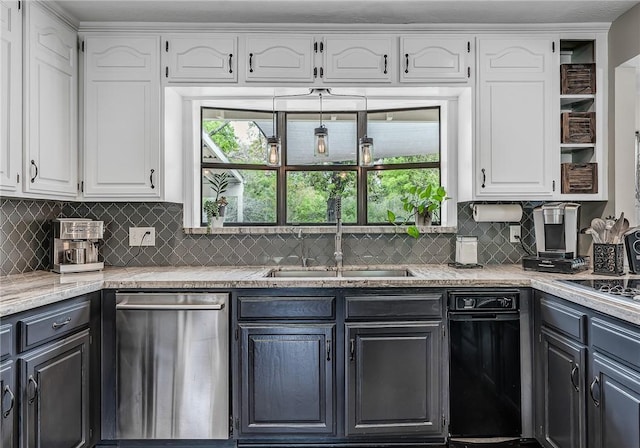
305, 189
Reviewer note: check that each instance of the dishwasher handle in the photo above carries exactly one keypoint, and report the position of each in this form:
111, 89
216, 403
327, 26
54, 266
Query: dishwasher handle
165, 307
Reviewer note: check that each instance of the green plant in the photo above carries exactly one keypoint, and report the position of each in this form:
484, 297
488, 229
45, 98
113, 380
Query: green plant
218, 183
418, 202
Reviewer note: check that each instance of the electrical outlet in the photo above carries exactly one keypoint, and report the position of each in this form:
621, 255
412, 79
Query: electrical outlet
514, 234
142, 236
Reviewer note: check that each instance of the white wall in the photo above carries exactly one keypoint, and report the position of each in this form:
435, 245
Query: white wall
624, 44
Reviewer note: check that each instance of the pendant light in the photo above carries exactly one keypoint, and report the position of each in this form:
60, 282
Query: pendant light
321, 140
273, 142
365, 145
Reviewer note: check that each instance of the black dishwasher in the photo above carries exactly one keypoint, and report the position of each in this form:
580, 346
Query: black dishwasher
484, 372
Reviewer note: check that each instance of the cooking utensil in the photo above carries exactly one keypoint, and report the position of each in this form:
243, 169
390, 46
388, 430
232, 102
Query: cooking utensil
599, 226
614, 231
595, 235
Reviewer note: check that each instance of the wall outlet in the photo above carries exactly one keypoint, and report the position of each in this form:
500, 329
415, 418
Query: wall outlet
514, 234
138, 236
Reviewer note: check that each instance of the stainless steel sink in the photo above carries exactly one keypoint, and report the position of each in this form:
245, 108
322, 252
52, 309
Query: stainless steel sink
301, 273
376, 273
297, 273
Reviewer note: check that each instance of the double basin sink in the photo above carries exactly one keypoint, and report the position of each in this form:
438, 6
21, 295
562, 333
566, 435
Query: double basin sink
342, 273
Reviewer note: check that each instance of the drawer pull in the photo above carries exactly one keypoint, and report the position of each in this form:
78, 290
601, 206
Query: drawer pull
57, 325
352, 350
593, 385
574, 371
7, 390
328, 344
230, 61
35, 389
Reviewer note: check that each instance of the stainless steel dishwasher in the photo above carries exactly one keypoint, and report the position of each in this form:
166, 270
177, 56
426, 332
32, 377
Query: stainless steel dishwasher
172, 364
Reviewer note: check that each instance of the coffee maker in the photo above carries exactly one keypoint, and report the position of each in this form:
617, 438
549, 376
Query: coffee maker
556, 232
74, 245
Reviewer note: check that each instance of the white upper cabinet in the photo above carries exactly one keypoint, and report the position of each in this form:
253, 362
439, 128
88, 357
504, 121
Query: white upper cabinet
279, 59
50, 157
122, 117
430, 58
11, 94
200, 58
349, 58
517, 120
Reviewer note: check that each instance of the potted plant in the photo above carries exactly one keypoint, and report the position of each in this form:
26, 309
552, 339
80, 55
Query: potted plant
214, 209
419, 203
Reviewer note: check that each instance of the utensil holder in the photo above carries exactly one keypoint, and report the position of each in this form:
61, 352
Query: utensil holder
608, 259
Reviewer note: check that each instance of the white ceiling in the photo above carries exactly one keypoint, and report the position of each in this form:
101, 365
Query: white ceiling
347, 11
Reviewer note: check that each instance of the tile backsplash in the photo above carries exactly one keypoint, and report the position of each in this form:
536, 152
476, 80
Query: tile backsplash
24, 240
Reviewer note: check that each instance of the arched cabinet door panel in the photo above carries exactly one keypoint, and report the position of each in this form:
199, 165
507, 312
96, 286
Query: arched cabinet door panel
122, 117
436, 58
207, 58
279, 59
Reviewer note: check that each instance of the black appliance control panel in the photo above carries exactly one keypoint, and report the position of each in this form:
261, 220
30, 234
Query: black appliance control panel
484, 301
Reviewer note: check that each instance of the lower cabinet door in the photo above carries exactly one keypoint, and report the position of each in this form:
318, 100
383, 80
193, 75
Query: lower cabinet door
614, 404
562, 386
55, 394
287, 379
9, 406
394, 383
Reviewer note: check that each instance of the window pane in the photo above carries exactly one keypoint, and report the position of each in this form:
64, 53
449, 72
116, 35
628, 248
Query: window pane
386, 188
341, 128
405, 136
311, 196
251, 195
235, 136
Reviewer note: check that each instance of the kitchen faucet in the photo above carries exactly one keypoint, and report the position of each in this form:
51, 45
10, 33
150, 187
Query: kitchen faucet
338, 255
304, 259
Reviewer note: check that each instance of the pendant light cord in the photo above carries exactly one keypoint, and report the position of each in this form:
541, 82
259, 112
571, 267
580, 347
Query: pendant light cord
320, 95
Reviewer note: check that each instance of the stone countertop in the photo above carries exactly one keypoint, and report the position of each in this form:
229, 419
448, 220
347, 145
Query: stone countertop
26, 291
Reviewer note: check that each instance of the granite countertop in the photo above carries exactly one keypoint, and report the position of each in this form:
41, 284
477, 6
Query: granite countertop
26, 291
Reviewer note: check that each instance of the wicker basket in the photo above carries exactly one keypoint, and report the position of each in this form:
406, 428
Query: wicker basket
579, 178
578, 79
578, 127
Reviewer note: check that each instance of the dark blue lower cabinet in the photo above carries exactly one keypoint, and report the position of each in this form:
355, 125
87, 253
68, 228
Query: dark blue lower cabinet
394, 379
287, 379
9, 405
614, 404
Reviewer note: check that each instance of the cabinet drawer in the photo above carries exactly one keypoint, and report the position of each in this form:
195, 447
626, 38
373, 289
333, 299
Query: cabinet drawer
394, 306
6, 340
562, 318
266, 307
617, 340
44, 326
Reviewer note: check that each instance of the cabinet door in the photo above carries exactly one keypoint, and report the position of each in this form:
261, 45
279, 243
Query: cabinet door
206, 58
286, 59
562, 392
287, 377
358, 59
435, 58
9, 406
55, 394
51, 150
614, 404
122, 117
516, 124
11, 94
394, 381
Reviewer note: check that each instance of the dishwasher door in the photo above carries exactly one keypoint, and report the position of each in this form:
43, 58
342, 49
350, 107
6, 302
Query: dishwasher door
172, 364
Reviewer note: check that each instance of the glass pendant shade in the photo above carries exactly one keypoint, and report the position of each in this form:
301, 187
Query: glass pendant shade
366, 151
273, 151
321, 143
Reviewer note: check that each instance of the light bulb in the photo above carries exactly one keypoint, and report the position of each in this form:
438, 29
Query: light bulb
273, 151
366, 151
321, 142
